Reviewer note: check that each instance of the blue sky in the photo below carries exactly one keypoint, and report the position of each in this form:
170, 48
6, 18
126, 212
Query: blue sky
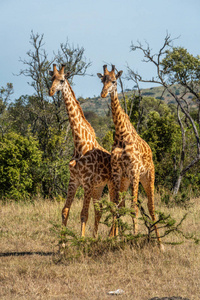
104, 28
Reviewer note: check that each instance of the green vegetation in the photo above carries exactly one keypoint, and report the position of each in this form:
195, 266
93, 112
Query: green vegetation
174, 68
20, 163
35, 148
36, 141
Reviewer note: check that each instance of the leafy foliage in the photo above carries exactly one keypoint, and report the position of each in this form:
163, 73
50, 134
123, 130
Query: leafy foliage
20, 166
158, 126
175, 65
172, 132
45, 117
108, 140
181, 66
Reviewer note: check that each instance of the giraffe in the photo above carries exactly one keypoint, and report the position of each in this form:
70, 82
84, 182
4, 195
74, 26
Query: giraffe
90, 165
131, 156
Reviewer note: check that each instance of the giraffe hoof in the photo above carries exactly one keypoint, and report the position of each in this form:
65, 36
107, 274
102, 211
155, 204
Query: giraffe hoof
162, 248
64, 221
65, 214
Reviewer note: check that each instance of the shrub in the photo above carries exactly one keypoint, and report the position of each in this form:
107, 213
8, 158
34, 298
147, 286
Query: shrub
19, 169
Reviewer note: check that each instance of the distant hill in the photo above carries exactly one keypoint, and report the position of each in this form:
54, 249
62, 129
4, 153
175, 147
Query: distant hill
100, 105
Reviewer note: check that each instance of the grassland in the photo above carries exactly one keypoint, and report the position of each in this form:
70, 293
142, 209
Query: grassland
29, 270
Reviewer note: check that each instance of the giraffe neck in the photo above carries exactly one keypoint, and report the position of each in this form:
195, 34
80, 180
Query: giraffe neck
120, 119
83, 133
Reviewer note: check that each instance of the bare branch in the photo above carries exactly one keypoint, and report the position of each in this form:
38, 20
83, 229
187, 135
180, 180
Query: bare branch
163, 78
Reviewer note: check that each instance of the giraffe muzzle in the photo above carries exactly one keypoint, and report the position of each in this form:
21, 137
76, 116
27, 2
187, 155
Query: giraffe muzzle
104, 94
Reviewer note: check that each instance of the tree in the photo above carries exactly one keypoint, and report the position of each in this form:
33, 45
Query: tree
20, 166
156, 122
162, 133
176, 66
5, 94
46, 116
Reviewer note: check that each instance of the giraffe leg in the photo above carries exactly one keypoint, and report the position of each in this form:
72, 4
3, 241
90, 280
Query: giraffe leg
147, 182
111, 194
72, 187
135, 185
96, 195
116, 183
84, 212
125, 182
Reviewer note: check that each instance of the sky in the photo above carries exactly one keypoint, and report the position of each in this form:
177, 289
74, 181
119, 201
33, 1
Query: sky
104, 28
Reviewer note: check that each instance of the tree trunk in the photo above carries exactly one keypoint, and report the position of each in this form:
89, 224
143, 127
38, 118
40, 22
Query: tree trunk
177, 185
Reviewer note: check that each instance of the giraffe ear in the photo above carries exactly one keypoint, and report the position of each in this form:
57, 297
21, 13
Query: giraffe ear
119, 74
100, 75
67, 75
51, 73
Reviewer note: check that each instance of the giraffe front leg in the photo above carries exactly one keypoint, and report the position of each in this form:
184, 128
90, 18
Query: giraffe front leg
96, 195
72, 187
84, 212
116, 183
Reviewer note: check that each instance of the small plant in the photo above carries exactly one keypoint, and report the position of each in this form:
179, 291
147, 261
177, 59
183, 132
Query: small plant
72, 246
112, 214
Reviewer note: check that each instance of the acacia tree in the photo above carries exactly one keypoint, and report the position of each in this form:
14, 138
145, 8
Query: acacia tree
176, 66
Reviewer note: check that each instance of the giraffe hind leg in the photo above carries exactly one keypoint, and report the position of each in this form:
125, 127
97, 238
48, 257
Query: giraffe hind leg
124, 184
147, 182
135, 185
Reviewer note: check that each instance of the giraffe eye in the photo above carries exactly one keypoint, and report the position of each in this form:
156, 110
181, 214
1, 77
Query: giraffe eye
114, 81
62, 81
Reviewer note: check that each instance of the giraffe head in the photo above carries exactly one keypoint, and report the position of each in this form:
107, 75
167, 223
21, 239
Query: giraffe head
109, 80
58, 79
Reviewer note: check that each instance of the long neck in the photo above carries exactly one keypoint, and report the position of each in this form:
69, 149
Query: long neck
119, 116
83, 133
120, 119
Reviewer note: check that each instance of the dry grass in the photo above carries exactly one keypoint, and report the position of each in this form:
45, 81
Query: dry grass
142, 274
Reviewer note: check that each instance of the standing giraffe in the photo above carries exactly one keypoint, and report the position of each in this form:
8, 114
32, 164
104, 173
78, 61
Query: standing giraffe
90, 164
131, 156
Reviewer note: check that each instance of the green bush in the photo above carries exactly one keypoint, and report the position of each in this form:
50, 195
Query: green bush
20, 160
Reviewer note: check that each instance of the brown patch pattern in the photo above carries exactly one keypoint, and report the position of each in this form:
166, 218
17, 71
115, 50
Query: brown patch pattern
90, 164
131, 156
